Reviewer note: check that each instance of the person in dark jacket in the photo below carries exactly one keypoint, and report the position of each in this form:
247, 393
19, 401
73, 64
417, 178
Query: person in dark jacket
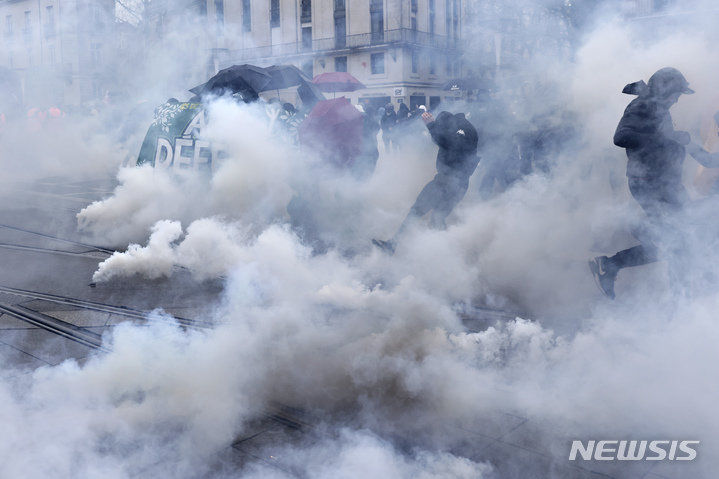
655, 155
456, 161
366, 163
388, 124
400, 130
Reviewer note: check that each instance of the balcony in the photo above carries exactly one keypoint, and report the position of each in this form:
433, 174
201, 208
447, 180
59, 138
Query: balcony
394, 38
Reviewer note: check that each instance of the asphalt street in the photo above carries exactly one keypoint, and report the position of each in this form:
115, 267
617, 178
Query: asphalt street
50, 312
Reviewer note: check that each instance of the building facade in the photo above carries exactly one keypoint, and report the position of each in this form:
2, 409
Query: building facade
402, 51
58, 49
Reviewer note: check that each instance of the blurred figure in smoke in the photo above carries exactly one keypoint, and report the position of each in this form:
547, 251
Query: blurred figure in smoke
706, 181
366, 163
456, 161
400, 130
35, 119
53, 118
501, 152
548, 135
655, 154
388, 124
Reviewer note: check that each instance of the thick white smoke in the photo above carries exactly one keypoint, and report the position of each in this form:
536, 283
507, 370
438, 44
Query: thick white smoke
370, 344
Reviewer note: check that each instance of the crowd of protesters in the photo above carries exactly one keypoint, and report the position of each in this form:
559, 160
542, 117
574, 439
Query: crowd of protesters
675, 229
510, 149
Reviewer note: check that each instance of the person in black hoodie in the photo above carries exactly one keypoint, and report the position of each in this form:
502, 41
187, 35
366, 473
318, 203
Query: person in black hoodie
655, 155
456, 161
388, 122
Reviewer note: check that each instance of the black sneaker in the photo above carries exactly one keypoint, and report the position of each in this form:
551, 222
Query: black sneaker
386, 246
605, 279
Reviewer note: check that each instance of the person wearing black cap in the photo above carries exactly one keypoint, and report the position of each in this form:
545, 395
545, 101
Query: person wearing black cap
655, 155
456, 161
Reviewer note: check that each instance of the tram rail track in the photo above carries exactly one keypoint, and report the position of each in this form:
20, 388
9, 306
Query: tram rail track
104, 308
56, 238
56, 326
281, 413
93, 253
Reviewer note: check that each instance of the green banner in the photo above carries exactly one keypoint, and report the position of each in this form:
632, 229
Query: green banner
174, 139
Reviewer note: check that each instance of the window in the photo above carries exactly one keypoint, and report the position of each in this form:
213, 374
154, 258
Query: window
220, 16
27, 29
308, 68
306, 11
448, 18
97, 18
415, 61
413, 26
660, 5
246, 16
8, 26
432, 64
29, 57
377, 61
431, 17
97, 89
340, 64
455, 19
377, 21
307, 38
95, 55
201, 6
51, 55
274, 13
49, 26
340, 31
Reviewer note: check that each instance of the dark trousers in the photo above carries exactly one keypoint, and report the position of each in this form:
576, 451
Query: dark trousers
440, 196
661, 201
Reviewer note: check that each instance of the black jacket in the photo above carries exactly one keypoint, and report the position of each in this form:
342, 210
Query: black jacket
647, 133
388, 121
457, 140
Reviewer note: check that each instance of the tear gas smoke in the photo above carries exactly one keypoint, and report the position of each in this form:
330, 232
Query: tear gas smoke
370, 345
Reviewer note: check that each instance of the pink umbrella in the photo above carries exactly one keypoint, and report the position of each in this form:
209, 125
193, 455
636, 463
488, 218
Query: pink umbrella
334, 130
337, 81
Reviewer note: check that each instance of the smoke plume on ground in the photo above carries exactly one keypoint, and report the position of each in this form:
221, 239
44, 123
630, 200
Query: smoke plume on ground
371, 346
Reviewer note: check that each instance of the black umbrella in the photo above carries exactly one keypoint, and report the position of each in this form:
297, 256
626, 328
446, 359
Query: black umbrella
468, 83
310, 94
285, 76
247, 80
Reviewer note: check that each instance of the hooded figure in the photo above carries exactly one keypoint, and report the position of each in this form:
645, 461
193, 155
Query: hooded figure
456, 161
655, 155
388, 122
654, 149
